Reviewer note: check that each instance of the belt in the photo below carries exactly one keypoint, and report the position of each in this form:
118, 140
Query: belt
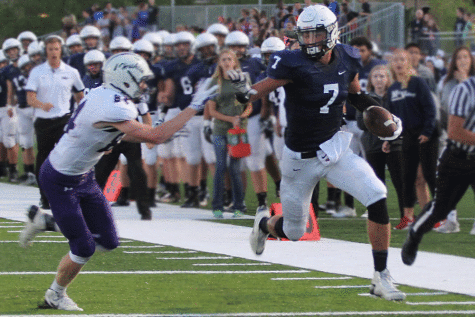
460, 153
309, 154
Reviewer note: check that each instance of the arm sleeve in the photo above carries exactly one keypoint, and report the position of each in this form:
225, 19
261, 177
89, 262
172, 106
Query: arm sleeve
427, 104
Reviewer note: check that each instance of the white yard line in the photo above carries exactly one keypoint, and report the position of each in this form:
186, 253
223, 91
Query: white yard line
164, 272
157, 252
342, 286
199, 258
231, 264
140, 246
310, 278
414, 294
439, 303
277, 314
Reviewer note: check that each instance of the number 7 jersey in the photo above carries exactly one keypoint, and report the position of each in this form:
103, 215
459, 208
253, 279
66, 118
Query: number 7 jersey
315, 97
82, 144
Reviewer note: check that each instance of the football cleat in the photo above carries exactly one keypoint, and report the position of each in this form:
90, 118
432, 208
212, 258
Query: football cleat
404, 223
36, 223
203, 198
345, 212
54, 300
448, 226
217, 214
258, 237
30, 179
409, 248
382, 286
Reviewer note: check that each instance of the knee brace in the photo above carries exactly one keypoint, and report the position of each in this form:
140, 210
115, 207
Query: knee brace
378, 212
78, 259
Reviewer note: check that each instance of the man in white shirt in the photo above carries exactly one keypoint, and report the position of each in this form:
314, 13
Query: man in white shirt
49, 90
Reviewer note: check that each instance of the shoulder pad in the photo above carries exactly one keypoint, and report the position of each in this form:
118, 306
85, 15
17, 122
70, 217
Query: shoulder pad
351, 51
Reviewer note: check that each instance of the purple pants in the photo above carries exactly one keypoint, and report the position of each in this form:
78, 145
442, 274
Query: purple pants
80, 209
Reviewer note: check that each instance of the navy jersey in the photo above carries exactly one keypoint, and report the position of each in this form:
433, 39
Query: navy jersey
314, 99
19, 81
77, 61
159, 74
91, 82
176, 70
253, 66
3, 88
199, 72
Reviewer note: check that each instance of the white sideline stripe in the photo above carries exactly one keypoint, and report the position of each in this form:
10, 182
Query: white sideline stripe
9, 222
4, 227
126, 241
37, 241
150, 252
140, 246
14, 231
344, 313
440, 303
310, 278
343, 286
230, 264
200, 258
163, 272
413, 294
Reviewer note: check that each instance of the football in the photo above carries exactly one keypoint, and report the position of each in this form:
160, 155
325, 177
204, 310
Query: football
379, 121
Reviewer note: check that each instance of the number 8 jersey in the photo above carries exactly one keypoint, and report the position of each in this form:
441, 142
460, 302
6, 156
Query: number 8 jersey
315, 97
82, 144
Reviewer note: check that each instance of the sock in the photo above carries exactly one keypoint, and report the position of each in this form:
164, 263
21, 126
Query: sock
261, 198
30, 168
151, 194
193, 192
263, 225
277, 185
314, 199
12, 168
203, 185
162, 180
58, 288
349, 201
380, 259
186, 186
124, 193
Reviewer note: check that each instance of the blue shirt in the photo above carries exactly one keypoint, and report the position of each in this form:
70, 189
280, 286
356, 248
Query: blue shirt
199, 72
91, 82
414, 105
314, 99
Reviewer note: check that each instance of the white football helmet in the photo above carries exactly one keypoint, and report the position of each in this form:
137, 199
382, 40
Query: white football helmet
27, 36
144, 46
35, 48
124, 72
271, 45
203, 40
94, 56
163, 33
184, 37
74, 39
236, 38
315, 20
120, 43
156, 40
218, 29
89, 31
23, 61
169, 40
9, 44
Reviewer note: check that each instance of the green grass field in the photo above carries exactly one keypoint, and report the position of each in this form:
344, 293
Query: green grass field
187, 288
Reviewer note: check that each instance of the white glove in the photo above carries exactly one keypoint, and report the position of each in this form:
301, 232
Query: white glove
396, 133
239, 81
203, 94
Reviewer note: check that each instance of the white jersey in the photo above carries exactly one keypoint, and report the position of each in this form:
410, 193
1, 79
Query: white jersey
82, 144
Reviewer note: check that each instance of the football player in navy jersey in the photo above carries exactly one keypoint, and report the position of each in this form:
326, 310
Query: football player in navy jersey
18, 77
9, 120
317, 80
178, 91
3, 103
93, 60
206, 49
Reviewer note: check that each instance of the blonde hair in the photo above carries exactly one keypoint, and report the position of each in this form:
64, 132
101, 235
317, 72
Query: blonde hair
376, 68
218, 72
